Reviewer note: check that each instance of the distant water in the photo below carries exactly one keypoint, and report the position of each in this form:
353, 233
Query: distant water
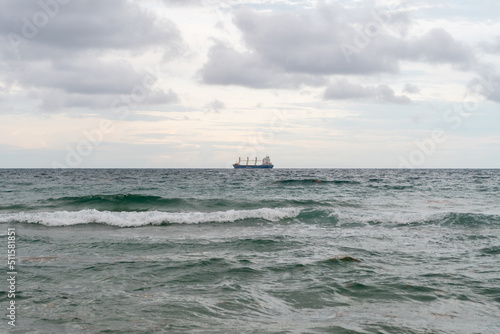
254, 251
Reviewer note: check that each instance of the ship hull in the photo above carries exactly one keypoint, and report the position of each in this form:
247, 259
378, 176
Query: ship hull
253, 166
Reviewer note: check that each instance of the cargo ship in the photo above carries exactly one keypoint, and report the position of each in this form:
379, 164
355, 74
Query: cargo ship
266, 163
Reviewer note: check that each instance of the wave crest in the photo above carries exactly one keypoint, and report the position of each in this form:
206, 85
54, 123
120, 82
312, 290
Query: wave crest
135, 219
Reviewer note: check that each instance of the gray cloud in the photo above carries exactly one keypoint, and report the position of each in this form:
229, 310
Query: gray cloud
439, 46
491, 47
82, 77
216, 106
51, 100
307, 43
288, 49
486, 85
83, 25
89, 83
411, 89
227, 66
59, 53
342, 89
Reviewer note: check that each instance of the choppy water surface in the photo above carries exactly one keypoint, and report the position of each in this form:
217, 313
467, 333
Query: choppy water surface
254, 251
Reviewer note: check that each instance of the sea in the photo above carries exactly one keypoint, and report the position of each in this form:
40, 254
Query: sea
250, 251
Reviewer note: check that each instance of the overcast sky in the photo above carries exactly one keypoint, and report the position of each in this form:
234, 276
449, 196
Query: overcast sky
188, 83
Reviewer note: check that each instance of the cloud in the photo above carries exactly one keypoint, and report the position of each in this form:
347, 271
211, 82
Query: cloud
438, 46
216, 106
342, 90
486, 85
306, 42
491, 47
81, 26
287, 49
63, 54
52, 101
227, 66
411, 89
82, 77
182, 2
89, 83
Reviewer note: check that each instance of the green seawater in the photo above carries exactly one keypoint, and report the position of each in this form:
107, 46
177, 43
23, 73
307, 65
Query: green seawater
252, 251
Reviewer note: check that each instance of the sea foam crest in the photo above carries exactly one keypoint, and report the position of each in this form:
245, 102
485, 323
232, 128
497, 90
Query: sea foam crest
131, 219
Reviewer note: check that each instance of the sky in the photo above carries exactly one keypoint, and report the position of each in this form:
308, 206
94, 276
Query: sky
173, 83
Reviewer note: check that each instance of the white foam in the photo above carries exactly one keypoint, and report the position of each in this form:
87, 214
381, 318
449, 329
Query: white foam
131, 219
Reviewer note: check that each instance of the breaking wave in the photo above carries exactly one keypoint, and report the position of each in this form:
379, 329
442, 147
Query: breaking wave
329, 216
135, 219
